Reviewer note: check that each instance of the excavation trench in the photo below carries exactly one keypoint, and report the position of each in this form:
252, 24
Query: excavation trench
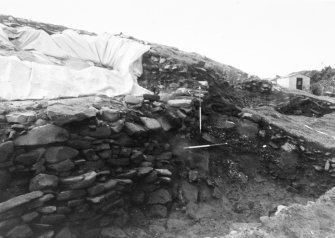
127, 166
129, 170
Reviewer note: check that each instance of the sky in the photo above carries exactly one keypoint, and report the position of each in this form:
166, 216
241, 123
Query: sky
261, 37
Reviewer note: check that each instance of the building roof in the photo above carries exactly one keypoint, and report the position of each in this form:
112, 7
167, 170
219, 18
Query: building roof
292, 74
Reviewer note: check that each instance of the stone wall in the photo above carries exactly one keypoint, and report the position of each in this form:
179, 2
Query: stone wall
71, 163
85, 166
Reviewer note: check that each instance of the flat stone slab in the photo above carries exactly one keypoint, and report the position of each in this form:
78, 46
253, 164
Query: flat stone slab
180, 102
80, 181
19, 200
42, 135
21, 117
63, 113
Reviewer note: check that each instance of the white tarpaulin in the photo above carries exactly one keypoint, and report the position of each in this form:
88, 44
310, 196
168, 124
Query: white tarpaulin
118, 64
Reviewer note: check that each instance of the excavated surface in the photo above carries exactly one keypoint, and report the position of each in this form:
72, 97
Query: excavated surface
146, 183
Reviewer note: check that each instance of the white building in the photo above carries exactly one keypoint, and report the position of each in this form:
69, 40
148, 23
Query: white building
294, 81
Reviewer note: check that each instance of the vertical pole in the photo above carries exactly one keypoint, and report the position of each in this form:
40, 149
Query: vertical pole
200, 109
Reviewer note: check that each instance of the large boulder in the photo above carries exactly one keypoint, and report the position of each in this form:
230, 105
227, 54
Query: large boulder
62, 113
43, 135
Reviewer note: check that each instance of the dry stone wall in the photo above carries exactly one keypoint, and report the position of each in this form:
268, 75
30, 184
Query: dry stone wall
87, 164
76, 165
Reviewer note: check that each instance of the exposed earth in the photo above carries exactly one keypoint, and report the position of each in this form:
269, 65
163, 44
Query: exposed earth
125, 166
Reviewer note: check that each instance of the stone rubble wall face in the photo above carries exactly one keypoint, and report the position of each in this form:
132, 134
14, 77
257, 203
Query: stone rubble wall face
69, 175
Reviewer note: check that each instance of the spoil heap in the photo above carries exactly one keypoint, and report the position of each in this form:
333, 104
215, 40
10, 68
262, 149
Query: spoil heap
123, 167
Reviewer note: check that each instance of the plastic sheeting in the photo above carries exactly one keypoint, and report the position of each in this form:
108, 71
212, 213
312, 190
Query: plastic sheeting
119, 62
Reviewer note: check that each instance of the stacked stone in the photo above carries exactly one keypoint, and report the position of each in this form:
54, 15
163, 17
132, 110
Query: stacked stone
88, 165
262, 86
82, 164
161, 72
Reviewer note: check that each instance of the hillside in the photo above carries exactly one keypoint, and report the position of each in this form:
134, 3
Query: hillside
321, 81
162, 143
